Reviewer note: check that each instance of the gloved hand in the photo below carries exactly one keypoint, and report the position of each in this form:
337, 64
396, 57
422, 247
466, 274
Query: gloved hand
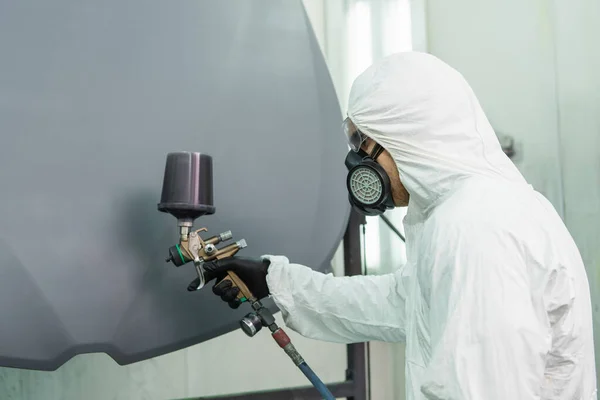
252, 271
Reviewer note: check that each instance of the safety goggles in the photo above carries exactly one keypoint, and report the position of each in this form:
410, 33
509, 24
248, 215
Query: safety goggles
354, 137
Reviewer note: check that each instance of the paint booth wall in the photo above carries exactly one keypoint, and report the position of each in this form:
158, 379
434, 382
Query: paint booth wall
535, 66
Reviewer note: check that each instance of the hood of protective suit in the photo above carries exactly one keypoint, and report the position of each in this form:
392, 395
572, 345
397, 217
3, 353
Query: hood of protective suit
424, 113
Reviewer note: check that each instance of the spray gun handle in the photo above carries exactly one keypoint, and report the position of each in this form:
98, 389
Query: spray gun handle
244, 293
229, 251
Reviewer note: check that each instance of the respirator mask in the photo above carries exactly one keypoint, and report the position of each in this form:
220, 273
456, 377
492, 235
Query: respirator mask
369, 186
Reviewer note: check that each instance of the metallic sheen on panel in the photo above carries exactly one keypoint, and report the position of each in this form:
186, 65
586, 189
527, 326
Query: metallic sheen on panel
93, 95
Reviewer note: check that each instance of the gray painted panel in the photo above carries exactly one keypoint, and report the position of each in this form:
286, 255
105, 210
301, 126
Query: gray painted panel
93, 95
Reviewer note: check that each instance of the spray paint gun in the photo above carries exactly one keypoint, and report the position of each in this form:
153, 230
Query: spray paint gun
187, 194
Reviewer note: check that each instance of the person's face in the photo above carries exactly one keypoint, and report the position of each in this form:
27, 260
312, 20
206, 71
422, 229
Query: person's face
399, 193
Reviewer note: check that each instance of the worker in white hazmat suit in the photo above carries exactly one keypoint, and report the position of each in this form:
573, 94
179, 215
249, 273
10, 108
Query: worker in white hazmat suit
493, 302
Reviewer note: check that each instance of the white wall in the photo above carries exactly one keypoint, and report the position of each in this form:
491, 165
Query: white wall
535, 66
505, 50
578, 80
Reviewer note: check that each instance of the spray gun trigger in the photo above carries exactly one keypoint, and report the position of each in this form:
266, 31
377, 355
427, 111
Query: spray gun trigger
200, 272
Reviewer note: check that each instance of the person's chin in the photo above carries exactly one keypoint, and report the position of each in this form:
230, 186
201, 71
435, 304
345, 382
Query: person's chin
401, 202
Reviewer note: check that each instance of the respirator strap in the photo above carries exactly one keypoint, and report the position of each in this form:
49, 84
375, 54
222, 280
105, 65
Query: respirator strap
376, 152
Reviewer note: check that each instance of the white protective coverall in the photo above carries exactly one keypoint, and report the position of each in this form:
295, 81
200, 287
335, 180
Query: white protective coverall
494, 301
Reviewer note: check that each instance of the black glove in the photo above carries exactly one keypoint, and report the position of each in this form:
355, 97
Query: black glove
252, 271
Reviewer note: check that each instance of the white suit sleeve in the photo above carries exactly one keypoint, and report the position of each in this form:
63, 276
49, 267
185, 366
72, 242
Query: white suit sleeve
487, 341
337, 309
